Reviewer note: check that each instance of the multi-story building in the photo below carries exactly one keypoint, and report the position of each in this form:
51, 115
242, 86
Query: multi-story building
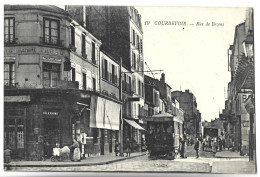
52, 83
238, 113
189, 105
120, 31
159, 103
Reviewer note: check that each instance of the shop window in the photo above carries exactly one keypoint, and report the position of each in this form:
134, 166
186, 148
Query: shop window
9, 74
51, 31
9, 30
14, 136
51, 74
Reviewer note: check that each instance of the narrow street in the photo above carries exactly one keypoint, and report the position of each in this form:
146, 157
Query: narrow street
205, 164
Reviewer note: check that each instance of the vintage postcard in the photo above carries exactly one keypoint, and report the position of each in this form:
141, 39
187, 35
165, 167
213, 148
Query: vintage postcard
102, 88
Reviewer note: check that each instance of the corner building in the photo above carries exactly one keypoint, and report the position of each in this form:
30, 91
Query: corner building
52, 83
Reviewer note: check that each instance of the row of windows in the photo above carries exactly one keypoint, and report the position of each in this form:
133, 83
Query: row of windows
51, 35
51, 75
137, 64
83, 44
137, 41
109, 72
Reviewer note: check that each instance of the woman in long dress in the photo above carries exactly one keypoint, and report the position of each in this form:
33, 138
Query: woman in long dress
75, 151
185, 148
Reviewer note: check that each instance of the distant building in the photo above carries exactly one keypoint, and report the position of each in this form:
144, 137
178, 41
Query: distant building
188, 104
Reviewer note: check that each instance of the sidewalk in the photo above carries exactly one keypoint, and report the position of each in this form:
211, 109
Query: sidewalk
89, 161
229, 154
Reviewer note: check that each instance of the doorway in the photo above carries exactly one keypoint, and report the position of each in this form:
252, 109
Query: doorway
51, 130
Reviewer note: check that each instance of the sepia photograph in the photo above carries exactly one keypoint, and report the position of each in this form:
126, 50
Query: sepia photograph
136, 89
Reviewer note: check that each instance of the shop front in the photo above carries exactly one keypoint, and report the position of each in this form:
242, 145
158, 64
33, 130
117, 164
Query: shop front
105, 119
133, 131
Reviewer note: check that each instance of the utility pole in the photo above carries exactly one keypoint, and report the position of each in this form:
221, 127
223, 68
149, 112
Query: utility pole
121, 114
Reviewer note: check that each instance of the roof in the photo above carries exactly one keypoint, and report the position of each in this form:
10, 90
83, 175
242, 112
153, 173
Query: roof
49, 8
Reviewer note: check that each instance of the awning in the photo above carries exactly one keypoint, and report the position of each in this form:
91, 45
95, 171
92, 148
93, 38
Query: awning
134, 124
104, 113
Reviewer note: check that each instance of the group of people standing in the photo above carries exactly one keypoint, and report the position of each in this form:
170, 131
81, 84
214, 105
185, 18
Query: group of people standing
185, 142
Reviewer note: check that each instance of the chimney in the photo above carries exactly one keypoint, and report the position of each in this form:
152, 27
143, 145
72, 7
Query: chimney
187, 91
162, 78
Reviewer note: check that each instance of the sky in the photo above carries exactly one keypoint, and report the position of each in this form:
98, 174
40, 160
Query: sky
192, 57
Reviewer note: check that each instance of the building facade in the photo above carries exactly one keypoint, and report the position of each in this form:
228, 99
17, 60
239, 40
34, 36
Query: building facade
239, 110
120, 31
53, 86
189, 105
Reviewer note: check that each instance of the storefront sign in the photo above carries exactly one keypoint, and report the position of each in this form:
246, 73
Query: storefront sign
50, 113
51, 59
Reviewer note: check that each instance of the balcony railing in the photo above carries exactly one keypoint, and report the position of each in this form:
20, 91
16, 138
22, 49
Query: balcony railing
64, 85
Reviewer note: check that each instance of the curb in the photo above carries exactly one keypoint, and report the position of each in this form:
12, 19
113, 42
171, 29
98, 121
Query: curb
232, 157
72, 164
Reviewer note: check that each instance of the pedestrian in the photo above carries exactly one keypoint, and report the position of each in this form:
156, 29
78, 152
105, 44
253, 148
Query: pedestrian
224, 143
128, 147
7, 156
191, 141
75, 151
47, 149
79, 140
220, 144
214, 147
116, 147
196, 147
203, 144
210, 143
184, 148
148, 140
180, 142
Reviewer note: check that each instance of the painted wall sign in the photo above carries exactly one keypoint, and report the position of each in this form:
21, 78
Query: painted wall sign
33, 50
